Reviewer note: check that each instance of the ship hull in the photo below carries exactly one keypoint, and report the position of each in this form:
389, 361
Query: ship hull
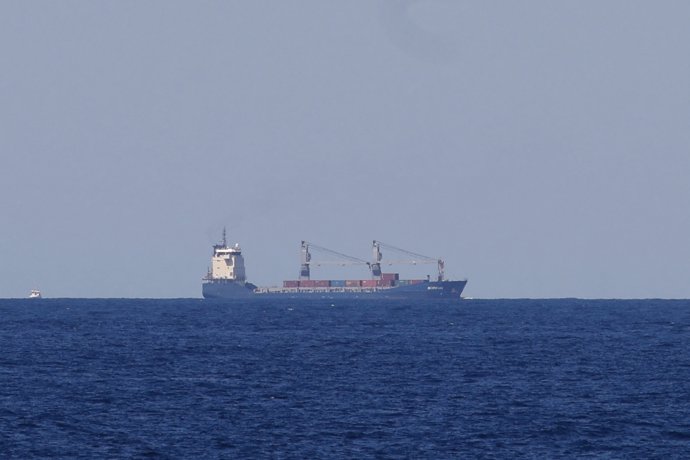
423, 290
220, 289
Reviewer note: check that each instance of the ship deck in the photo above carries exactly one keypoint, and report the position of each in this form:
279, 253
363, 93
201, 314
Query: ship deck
319, 290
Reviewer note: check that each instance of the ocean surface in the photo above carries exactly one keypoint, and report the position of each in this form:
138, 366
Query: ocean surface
189, 378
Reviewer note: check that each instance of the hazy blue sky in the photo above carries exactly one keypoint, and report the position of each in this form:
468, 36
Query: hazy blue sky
542, 148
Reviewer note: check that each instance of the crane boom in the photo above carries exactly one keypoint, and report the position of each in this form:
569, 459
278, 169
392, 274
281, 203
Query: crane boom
405, 251
336, 253
418, 259
375, 266
305, 271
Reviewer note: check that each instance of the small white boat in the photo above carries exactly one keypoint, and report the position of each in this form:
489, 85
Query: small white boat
35, 294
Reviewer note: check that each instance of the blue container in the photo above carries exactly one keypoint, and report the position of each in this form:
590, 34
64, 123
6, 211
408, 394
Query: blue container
337, 283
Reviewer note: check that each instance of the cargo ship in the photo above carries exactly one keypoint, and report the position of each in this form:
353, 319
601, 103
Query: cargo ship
226, 277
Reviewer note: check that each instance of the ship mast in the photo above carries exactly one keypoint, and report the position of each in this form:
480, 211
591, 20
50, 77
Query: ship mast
306, 258
376, 265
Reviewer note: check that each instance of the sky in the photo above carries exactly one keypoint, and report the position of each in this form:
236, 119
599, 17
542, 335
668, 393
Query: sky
541, 148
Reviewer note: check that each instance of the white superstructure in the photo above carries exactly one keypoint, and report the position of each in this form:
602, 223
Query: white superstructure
227, 263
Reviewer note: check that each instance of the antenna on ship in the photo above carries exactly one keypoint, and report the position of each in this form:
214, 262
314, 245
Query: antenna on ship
225, 242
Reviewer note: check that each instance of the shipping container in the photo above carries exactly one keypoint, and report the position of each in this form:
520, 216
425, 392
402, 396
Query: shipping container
403, 282
307, 283
353, 283
321, 283
416, 281
385, 283
337, 283
290, 284
369, 283
390, 276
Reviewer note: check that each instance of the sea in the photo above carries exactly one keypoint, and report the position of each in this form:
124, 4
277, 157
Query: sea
329, 379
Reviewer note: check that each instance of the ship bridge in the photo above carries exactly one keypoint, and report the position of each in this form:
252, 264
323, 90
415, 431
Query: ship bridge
227, 262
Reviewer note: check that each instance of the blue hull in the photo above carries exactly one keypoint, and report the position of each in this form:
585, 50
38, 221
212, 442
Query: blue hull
227, 290
424, 290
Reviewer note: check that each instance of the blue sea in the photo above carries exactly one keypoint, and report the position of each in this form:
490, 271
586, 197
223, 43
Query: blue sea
188, 378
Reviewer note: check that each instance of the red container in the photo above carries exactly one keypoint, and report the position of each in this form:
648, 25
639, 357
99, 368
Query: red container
385, 283
307, 283
390, 276
353, 283
322, 283
416, 281
290, 284
369, 283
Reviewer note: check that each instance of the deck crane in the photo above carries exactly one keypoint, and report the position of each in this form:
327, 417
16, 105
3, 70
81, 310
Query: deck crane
418, 259
305, 272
